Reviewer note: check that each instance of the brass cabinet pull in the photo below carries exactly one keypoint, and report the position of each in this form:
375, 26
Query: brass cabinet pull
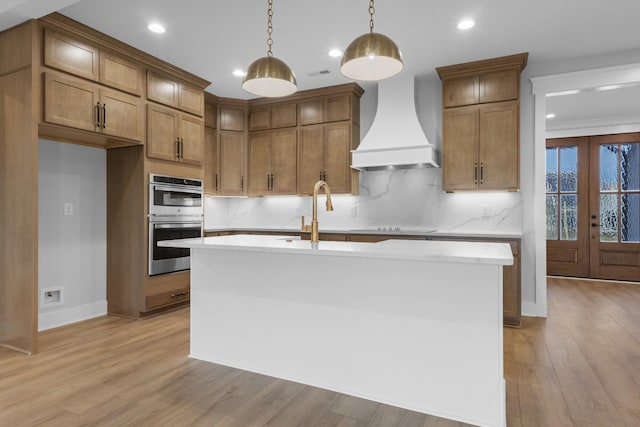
181, 294
481, 173
104, 116
268, 182
475, 173
178, 148
271, 182
216, 182
241, 182
182, 148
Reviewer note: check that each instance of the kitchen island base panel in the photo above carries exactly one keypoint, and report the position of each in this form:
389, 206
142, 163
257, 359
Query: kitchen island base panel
417, 335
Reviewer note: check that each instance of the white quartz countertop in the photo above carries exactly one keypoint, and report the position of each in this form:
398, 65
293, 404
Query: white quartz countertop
405, 231
416, 250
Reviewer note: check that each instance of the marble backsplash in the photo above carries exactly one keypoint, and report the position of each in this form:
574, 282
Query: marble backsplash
406, 198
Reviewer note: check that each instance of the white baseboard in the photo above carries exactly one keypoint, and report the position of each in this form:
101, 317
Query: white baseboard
532, 309
66, 316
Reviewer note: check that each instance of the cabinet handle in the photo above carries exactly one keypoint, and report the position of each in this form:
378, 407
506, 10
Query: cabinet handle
97, 114
475, 173
104, 116
271, 182
241, 182
481, 173
268, 182
178, 148
216, 182
182, 148
181, 294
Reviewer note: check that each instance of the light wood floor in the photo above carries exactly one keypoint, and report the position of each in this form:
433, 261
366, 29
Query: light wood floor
578, 367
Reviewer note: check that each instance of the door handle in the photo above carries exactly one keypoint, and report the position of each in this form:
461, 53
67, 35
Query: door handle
593, 224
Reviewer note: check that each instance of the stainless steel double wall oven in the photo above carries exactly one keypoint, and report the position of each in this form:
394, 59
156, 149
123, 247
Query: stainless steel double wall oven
175, 212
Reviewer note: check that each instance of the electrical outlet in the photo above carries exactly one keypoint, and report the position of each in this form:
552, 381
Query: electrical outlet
485, 211
353, 211
51, 297
68, 208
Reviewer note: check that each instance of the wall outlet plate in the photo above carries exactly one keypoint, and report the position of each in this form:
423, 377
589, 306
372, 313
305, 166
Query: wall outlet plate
50, 297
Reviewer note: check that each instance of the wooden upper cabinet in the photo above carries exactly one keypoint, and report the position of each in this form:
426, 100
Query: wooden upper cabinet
327, 109
480, 140
499, 86
120, 73
80, 104
210, 115
284, 116
169, 91
233, 119
211, 163
72, 55
191, 99
325, 153
272, 162
499, 147
232, 148
174, 136
461, 91
69, 54
260, 118
311, 112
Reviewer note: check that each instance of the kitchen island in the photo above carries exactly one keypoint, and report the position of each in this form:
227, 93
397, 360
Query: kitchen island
414, 324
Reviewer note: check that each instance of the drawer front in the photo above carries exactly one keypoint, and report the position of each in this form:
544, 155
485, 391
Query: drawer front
167, 298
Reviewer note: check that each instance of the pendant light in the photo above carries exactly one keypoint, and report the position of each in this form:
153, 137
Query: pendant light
372, 56
269, 76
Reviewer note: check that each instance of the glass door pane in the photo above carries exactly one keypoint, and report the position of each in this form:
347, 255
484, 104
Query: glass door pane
562, 193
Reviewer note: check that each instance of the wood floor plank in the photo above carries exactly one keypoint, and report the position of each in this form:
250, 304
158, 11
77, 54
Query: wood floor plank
578, 367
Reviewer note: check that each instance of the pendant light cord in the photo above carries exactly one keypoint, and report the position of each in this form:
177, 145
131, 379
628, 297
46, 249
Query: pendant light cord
270, 27
372, 10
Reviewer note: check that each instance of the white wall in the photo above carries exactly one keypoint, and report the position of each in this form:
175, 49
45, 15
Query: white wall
71, 248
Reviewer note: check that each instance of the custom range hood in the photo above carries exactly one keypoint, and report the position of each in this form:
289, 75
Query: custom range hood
396, 137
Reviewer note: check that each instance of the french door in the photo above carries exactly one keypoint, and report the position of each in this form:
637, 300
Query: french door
593, 207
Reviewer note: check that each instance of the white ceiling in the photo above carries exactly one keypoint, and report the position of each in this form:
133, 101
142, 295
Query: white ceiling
212, 38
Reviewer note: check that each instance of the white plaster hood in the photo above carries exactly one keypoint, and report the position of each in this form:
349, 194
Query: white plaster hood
396, 137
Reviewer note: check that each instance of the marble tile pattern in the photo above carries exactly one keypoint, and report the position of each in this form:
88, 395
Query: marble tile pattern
406, 198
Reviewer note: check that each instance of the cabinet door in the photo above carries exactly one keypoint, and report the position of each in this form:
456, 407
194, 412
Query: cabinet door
232, 119
337, 144
120, 73
162, 132
460, 149
71, 102
284, 162
511, 306
210, 115
71, 55
310, 157
499, 86
259, 163
460, 91
311, 112
162, 89
337, 108
191, 99
260, 118
499, 146
284, 116
122, 114
210, 161
233, 155
191, 139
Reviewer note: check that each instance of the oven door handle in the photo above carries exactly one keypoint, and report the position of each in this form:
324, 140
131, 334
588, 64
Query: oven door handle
177, 189
178, 225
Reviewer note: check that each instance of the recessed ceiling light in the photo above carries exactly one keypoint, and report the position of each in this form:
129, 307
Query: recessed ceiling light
156, 28
335, 53
562, 93
465, 24
609, 87
239, 73
550, 116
